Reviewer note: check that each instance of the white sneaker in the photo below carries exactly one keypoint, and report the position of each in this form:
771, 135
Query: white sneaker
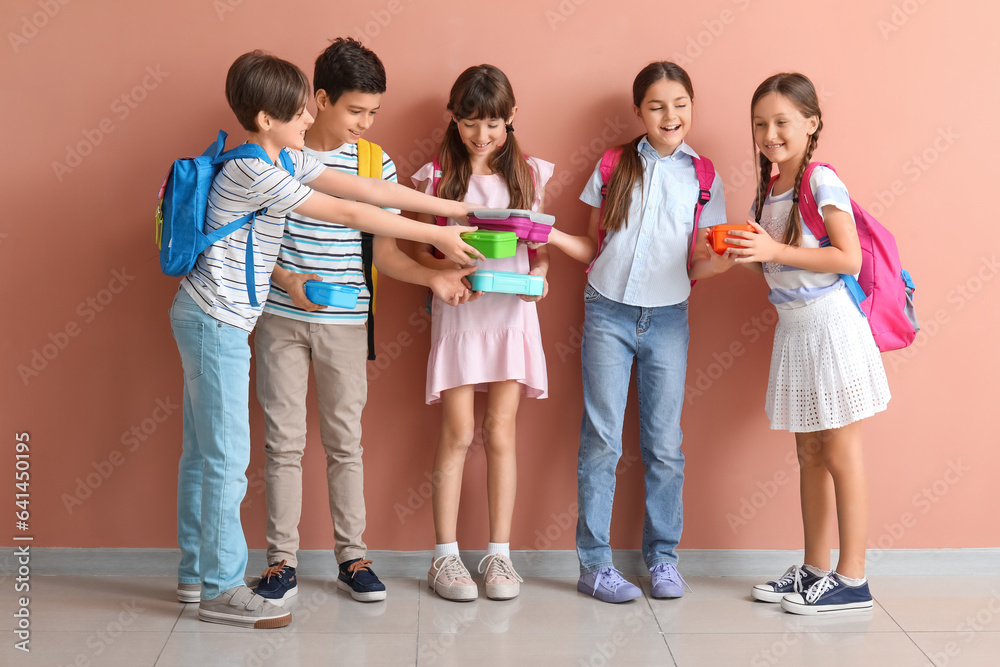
502, 582
449, 579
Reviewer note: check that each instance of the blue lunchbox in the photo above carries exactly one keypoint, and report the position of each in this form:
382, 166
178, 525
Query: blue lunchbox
332, 294
506, 282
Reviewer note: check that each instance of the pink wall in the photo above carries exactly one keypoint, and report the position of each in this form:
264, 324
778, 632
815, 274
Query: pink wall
100, 96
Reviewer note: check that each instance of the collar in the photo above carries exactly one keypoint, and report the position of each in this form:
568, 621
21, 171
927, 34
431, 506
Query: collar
647, 148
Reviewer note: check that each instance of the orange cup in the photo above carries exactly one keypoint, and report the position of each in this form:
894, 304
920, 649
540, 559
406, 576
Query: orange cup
717, 236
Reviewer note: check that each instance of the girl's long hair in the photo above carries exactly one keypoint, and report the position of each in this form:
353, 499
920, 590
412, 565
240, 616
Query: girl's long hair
799, 90
618, 196
483, 92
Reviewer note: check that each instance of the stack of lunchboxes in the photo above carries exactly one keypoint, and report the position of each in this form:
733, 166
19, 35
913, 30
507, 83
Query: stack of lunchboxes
497, 236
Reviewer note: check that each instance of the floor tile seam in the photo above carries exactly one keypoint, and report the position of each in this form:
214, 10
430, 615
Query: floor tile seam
930, 661
891, 617
670, 651
166, 641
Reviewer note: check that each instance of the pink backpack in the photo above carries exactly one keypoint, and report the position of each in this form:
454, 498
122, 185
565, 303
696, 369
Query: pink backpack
703, 167
883, 290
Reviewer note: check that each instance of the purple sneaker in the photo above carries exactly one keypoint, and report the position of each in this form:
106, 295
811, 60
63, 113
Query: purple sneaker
667, 581
608, 585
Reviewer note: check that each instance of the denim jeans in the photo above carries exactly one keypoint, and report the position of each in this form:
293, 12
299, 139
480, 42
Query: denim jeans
216, 451
615, 334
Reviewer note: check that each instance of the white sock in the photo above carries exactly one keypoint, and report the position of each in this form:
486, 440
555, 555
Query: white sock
502, 548
851, 582
449, 549
816, 571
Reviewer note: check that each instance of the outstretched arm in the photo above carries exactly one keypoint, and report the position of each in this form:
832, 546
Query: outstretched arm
448, 284
386, 193
371, 219
580, 248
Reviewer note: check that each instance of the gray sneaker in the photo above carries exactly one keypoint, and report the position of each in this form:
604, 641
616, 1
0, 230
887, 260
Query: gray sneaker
241, 606
189, 592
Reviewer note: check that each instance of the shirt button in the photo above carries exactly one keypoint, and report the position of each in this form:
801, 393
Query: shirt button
639, 255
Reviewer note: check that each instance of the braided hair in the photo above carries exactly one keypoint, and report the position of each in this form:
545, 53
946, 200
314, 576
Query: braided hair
799, 90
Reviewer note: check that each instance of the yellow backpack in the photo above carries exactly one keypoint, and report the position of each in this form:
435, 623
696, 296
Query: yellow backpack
369, 164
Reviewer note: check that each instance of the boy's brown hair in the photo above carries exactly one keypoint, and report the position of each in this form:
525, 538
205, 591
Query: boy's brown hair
258, 81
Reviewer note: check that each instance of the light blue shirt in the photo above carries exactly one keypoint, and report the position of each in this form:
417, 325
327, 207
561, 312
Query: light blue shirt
645, 262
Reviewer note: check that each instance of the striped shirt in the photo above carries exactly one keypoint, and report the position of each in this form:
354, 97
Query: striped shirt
329, 250
218, 281
792, 287
645, 262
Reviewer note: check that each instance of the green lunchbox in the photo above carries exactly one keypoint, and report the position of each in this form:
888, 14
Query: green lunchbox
493, 244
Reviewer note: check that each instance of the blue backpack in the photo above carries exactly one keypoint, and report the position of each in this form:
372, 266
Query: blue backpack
180, 215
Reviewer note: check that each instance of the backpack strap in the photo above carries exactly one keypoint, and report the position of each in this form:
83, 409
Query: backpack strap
812, 218
609, 162
246, 151
705, 170
370, 165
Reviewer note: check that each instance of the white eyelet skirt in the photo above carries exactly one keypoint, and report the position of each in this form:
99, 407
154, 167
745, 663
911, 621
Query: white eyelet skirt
826, 371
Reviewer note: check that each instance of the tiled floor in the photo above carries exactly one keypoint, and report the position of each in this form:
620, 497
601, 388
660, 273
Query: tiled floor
135, 622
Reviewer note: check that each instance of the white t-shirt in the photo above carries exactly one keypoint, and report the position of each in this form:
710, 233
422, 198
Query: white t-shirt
792, 287
218, 281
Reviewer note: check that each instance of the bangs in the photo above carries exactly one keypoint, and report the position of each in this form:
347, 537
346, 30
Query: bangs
483, 99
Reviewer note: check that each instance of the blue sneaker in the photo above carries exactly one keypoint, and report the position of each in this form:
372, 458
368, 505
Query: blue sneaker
667, 581
829, 595
608, 585
795, 580
277, 584
359, 579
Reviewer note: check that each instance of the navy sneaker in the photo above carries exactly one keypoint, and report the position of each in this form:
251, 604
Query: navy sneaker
357, 577
277, 584
795, 580
608, 585
667, 581
829, 595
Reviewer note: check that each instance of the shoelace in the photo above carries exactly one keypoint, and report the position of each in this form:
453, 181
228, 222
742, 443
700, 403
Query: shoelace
792, 575
669, 571
610, 577
273, 571
450, 566
496, 561
825, 584
358, 565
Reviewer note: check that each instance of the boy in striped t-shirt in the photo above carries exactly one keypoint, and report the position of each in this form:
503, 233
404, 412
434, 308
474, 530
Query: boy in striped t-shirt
213, 314
293, 333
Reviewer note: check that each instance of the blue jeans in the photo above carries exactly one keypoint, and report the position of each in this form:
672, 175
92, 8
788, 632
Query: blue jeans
216, 452
657, 338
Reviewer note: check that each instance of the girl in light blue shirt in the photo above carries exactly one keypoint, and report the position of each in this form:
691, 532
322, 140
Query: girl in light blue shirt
639, 246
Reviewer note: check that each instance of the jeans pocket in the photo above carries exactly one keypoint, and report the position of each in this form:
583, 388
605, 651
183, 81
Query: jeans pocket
190, 337
590, 295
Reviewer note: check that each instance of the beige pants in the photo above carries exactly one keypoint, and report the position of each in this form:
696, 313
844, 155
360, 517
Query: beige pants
284, 349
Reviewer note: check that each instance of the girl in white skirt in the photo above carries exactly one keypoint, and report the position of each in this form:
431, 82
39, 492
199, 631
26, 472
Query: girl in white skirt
826, 372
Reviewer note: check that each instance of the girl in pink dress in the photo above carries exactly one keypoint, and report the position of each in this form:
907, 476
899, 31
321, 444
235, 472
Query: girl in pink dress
490, 344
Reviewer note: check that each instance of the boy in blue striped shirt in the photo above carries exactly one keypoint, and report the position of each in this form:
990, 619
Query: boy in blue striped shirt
293, 333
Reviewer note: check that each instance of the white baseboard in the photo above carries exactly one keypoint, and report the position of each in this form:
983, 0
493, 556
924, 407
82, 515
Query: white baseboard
553, 563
